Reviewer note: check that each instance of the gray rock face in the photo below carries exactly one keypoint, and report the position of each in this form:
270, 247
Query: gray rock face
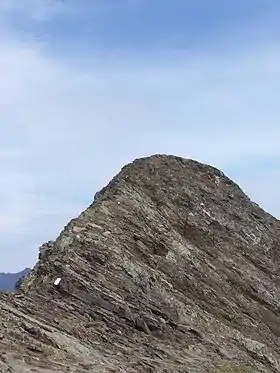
171, 269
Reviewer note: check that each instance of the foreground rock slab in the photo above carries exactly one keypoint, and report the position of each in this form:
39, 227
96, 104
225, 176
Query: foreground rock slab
171, 269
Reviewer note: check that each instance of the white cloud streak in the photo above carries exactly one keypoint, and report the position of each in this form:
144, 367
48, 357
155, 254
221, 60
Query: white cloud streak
40, 10
66, 130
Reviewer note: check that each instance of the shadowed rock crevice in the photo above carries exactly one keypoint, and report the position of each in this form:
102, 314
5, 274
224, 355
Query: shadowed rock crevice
171, 269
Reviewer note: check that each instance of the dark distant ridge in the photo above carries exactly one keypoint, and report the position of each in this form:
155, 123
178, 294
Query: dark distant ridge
8, 280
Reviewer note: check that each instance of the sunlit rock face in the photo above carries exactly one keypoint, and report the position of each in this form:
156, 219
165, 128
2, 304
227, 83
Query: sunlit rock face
171, 269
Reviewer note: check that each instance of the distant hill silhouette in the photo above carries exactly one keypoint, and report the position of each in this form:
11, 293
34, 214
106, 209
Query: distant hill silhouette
9, 280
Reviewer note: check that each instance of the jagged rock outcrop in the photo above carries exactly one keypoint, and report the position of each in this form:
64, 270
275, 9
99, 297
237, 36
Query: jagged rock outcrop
171, 269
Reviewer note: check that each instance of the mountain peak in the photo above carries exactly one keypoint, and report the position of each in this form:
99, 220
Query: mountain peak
171, 269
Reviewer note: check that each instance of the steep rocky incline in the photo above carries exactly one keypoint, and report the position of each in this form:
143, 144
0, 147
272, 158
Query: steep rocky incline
171, 269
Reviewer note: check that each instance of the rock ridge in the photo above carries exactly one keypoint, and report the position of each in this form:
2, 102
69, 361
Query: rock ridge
172, 268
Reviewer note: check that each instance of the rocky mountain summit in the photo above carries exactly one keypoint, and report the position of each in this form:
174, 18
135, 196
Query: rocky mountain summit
171, 269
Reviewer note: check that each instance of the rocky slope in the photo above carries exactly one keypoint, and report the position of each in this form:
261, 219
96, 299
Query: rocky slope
171, 269
8, 280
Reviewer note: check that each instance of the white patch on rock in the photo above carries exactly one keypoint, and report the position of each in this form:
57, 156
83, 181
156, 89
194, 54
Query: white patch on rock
207, 213
171, 256
217, 180
57, 281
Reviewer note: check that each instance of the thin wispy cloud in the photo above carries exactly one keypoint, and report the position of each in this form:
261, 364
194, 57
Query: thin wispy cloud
71, 118
35, 9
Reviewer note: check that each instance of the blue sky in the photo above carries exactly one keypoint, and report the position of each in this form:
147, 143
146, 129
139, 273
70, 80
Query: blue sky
88, 85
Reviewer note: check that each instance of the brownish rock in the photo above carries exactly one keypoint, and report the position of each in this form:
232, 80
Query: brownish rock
171, 269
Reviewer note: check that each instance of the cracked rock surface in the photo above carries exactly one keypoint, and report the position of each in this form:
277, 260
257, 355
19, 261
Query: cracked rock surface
171, 269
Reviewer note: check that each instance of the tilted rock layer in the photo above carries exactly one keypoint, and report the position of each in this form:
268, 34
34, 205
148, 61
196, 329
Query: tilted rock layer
171, 269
